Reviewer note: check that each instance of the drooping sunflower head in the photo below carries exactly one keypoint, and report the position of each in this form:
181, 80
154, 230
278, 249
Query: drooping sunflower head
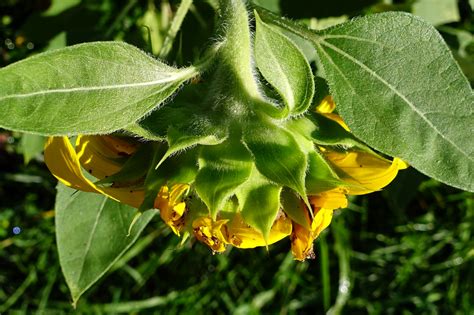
236, 192
231, 160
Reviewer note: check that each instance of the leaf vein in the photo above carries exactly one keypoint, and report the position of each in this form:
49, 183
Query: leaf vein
168, 79
89, 241
398, 93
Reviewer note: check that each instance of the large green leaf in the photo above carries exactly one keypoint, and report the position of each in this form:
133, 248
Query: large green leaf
284, 66
397, 86
88, 89
91, 233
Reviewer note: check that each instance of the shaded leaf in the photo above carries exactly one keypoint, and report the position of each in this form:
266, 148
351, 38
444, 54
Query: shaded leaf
323, 131
177, 169
91, 233
31, 145
320, 176
294, 207
134, 168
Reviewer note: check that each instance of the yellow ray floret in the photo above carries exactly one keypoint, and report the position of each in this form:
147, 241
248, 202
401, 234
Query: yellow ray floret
63, 162
172, 209
211, 233
326, 108
98, 156
366, 171
242, 235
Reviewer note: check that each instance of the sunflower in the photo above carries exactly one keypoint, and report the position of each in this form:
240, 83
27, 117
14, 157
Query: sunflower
120, 167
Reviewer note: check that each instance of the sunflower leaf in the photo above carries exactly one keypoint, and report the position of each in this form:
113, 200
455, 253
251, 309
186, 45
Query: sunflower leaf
284, 66
31, 145
92, 234
398, 87
91, 88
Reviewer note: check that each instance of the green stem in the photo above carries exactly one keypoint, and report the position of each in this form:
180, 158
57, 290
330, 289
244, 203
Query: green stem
19, 292
325, 276
174, 28
120, 17
236, 53
341, 238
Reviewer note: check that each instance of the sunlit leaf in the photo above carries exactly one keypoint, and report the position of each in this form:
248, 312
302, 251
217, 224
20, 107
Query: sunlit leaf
284, 66
88, 88
399, 89
437, 11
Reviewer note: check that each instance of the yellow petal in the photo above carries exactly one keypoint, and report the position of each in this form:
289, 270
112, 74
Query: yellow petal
63, 162
177, 192
337, 119
172, 210
242, 235
326, 106
98, 156
368, 172
301, 243
211, 233
332, 199
302, 239
321, 221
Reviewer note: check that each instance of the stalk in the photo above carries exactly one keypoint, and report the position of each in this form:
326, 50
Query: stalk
174, 28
